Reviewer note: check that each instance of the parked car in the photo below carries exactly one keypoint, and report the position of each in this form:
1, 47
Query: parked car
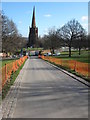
45, 54
49, 54
57, 54
53, 54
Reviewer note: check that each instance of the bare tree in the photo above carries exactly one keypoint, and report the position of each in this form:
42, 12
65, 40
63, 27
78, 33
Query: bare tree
11, 39
88, 39
39, 42
46, 42
8, 27
52, 41
71, 31
0, 32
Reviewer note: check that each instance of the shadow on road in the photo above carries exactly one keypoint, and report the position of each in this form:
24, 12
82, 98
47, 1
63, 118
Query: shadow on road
48, 92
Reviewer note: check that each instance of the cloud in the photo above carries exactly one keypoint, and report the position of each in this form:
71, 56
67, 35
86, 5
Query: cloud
84, 18
47, 15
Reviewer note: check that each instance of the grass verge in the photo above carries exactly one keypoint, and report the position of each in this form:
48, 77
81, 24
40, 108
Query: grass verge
71, 71
3, 62
13, 77
84, 57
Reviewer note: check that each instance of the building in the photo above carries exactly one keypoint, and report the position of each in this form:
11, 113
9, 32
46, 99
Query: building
33, 32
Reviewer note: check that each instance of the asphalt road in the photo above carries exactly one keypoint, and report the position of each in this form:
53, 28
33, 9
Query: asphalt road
46, 92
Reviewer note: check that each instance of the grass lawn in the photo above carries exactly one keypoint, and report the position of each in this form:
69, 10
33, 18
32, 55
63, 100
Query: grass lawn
32, 49
3, 62
84, 57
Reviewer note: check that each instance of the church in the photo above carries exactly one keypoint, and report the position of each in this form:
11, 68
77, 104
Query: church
33, 32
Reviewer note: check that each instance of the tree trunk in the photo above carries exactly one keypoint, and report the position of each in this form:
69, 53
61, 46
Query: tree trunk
79, 50
53, 50
69, 51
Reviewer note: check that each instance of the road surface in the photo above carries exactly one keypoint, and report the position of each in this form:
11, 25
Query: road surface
46, 92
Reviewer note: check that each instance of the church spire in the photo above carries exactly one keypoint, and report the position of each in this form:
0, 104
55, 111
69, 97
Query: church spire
33, 18
33, 32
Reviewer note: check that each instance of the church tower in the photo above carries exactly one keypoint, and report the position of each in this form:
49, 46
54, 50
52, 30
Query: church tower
33, 32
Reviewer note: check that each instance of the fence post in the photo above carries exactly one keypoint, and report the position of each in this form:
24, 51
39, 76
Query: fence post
5, 72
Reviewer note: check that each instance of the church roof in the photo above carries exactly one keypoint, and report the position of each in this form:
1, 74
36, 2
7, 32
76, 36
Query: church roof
33, 18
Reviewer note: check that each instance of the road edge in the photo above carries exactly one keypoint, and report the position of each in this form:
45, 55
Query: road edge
70, 74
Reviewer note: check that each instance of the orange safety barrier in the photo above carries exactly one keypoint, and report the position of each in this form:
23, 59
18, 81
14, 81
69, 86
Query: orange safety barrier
9, 68
72, 64
4, 75
82, 68
79, 67
39, 56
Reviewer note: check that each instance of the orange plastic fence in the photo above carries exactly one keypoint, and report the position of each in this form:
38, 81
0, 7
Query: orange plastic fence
0, 79
82, 68
9, 68
79, 67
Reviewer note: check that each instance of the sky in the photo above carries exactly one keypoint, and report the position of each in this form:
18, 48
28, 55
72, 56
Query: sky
47, 14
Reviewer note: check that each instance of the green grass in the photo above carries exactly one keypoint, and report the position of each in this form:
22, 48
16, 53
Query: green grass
3, 62
84, 57
6, 61
32, 49
12, 79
